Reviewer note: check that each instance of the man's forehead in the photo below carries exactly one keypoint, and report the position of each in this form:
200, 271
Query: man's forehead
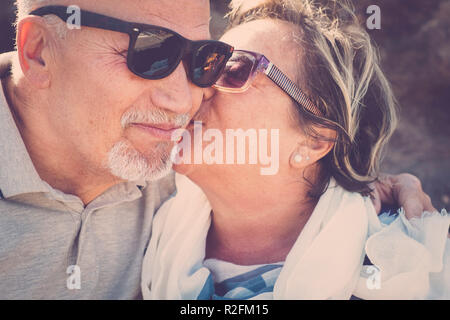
189, 13
192, 9
188, 17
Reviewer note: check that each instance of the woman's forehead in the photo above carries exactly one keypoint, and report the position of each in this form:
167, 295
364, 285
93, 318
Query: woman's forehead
264, 36
275, 39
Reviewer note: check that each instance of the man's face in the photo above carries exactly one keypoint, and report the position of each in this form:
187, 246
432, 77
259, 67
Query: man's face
102, 110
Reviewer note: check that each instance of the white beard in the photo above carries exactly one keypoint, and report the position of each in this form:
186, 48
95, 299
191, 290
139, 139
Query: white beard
127, 163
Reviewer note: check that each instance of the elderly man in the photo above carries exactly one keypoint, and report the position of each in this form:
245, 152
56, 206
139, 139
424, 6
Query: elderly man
86, 117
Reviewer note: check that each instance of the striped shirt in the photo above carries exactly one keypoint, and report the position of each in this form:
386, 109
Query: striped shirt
238, 282
257, 282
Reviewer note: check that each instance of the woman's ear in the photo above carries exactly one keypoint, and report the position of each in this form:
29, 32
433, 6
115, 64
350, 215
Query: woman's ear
32, 46
300, 158
321, 146
311, 150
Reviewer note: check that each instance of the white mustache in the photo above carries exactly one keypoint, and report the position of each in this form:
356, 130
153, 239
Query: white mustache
155, 116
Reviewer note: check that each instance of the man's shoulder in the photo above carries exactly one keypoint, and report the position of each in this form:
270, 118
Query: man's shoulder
5, 63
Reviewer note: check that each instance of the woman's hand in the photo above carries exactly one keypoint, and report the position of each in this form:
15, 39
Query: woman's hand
403, 190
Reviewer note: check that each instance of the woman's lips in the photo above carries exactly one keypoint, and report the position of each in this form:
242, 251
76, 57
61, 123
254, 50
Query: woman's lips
160, 131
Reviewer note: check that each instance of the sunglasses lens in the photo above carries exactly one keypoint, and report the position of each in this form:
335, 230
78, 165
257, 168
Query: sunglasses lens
209, 62
155, 53
238, 71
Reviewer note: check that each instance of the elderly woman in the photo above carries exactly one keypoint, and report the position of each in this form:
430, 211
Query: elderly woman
309, 231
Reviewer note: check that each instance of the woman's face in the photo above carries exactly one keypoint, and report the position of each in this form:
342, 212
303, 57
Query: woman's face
263, 109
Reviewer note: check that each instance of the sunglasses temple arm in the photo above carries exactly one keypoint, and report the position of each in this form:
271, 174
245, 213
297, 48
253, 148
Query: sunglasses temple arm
88, 19
281, 80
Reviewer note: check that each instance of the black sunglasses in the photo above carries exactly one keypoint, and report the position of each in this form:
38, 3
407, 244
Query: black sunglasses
155, 52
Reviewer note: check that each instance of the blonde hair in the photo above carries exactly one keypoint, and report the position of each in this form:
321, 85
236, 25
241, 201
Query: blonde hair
341, 71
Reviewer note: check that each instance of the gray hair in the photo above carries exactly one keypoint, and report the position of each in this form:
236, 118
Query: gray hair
24, 7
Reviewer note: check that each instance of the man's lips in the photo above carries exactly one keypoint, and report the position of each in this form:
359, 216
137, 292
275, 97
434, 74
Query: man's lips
161, 131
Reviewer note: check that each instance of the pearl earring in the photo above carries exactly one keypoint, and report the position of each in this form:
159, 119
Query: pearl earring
298, 158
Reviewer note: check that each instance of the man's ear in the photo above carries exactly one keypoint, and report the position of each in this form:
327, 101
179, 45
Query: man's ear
32, 46
311, 149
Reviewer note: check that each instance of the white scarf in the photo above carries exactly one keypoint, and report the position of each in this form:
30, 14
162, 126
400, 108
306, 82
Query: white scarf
326, 262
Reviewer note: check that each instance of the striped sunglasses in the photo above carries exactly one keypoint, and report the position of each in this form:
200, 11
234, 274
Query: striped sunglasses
242, 69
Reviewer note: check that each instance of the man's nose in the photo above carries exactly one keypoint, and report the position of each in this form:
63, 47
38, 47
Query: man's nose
176, 93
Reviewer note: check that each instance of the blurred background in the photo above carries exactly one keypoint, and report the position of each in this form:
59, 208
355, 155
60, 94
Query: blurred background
414, 43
